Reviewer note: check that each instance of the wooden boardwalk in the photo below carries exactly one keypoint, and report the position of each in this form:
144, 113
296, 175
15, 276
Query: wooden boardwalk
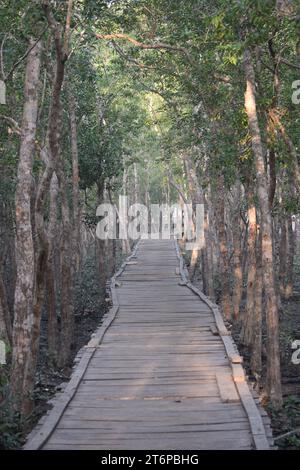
161, 372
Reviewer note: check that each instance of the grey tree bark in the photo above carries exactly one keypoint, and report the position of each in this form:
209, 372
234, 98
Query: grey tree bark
21, 382
273, 352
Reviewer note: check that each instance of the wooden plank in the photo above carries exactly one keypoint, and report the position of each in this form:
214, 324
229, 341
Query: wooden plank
126, 427
232, 353
227, 388
150, 391
255, 419
206, 439
207, 415
178, 444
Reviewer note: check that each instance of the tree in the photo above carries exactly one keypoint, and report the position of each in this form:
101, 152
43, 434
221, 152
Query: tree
21, 386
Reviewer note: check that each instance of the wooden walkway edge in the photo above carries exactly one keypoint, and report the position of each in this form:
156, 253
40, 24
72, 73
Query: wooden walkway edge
142, 370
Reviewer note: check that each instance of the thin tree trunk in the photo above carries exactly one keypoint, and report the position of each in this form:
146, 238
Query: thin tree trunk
273, 352
272, 172
136, 184
67, 304
125, 243
147, 186
237, 255
50, 157
100, 249
209, 244
51, 280
111, 245
21, 381
197, 198
237, 271
256, 343
5, 321
293, 151
289, 285
226, 303
61, 42
247, 327
282, 255
75, 182
5, 315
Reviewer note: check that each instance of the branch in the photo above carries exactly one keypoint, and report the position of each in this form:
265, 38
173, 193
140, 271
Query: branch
243, 218
267, 67
142, 45
178, 189
282, 60
275, 117
62, 43
295, 431
222, 78
56, 30
277, 58
159, 93
17, 128
16, 65
68, 28
120, 51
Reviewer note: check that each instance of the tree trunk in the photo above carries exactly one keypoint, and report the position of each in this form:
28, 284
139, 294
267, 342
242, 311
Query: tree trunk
147, 186
237, 255
51, 279
100, 249
209, 248
67, 303
273, 352
282, 255
290, 145
289, 285
75, 182
5, 322
136, 184
247, 327
21, 382
272, 173
256, 342
225, 301
53, 164
196, 194
126, 250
